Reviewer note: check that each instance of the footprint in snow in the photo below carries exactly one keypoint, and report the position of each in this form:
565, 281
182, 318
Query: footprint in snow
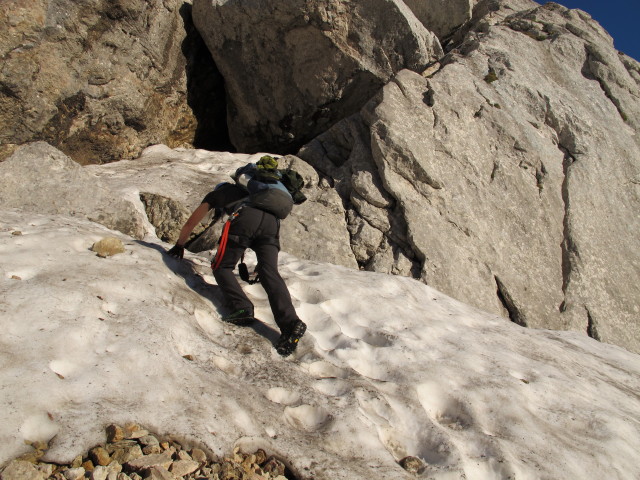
332, 387
324, 369
283, 396
226, 366
307, 417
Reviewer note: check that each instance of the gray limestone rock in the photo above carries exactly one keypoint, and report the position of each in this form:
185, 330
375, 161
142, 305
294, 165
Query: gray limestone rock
40, 178
149, 461
514, 177
99, 79
180, 468
294, 68
376, 226
74, 473
441, 17
166, 215
159, 473
317, 229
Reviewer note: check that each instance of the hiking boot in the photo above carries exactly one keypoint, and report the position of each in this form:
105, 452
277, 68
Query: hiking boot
242, 316
288, 342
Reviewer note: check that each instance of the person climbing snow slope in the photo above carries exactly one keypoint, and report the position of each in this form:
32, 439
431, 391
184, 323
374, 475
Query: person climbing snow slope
255, 204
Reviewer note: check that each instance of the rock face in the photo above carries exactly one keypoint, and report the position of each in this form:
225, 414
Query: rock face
510, 180
293, 68
39, 178
441, 17
166, 215
100, 79
317, 229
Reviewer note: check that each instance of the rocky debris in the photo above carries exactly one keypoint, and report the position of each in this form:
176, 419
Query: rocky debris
22, 470
506, 180
115, 433
108, 247
293, 68
123, 458
39, 178
102, 79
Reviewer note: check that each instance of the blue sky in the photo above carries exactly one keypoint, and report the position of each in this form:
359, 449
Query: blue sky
620, 18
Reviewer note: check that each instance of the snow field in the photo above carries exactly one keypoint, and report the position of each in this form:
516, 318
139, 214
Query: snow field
388, 368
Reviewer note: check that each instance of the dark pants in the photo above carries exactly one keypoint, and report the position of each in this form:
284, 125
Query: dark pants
257, 230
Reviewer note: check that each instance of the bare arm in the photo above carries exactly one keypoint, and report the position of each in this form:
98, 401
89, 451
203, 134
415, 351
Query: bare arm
195, 218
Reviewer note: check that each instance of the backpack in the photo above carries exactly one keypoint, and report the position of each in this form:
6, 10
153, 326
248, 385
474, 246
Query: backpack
294, 183
266, 191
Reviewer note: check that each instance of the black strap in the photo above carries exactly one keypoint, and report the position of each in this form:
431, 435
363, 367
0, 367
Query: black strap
243, 270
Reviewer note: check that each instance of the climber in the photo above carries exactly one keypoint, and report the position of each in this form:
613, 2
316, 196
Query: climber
255, 203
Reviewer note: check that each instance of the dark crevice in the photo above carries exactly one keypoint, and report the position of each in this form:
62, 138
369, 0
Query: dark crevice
541, 175
515, 315
494, 172
7, 91
569, 248
428, 97
592, 328
206, 94
588, 73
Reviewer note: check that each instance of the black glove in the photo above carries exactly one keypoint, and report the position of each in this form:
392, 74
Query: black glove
177, 251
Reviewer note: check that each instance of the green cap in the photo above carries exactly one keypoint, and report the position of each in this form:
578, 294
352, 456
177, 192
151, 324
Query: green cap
267, 162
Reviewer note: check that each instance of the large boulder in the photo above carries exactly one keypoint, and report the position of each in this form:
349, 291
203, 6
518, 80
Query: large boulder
101, 79
513, 178
317, 229
292, 68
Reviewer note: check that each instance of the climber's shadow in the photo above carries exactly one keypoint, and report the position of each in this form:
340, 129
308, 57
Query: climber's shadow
192, 274
264, 330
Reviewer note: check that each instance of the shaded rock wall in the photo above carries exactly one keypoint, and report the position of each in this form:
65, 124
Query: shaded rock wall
293, 68
100, 79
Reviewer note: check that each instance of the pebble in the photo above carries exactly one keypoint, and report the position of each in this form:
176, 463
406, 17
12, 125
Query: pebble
107, 247
123, 457
413, 465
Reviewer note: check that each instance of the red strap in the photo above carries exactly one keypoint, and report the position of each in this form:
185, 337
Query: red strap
215, 264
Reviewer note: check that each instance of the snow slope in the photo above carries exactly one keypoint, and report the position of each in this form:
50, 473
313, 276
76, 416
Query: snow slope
389, 368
